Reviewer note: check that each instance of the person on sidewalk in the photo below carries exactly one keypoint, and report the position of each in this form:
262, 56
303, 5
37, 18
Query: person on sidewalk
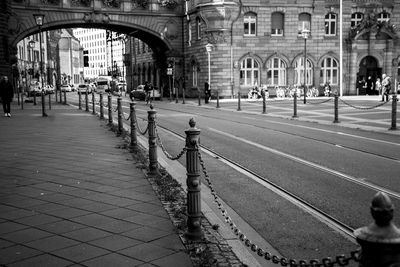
378, 86
386, 84
6, 93
207, 92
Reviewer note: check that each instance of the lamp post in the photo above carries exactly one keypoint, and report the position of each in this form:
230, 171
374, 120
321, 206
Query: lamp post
209, 48
305, 33
31, 45
39, 22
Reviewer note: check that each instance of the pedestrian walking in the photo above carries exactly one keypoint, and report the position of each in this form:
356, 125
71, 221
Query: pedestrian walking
386, 86
147, 90
370, 86
207, 92
6, 93
378, 86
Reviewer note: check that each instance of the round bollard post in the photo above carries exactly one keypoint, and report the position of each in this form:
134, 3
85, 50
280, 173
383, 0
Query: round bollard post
65, 97
133, 144
153, 164
199, 99
176, 96
239, 108
217, 99
336, 120
110, 118
119, 109
295, 106
380, 241
264, 102
79, 100
193, 182
22, 100
183, 96
86, 101
394, 111
60, 96
93, 104
101, 106
34, 99
49, 101
43, 105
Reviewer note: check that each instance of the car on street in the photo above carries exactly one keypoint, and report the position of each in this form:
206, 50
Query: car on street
49, 89
66, 88
140, 94
83, 88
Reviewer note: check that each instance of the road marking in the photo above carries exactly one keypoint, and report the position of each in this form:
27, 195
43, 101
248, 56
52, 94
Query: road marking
312, 165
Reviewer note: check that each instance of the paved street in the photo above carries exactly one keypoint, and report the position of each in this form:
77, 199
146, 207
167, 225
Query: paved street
70, 196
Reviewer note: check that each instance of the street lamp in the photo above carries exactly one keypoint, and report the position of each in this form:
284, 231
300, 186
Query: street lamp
305, 33
31, 45
39, 22
209, 48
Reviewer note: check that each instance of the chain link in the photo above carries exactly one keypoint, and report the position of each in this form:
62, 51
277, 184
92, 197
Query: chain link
341, 260
165, 150
139, 129
362, 108
123, 114
320, 102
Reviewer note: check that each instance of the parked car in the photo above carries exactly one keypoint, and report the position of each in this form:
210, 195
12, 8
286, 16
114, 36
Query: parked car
140, 94
66, 88
83, 88
121, 86
49, 89
35, 90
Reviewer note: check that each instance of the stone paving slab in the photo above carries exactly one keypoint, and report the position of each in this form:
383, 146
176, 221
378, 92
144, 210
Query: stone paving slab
70, 196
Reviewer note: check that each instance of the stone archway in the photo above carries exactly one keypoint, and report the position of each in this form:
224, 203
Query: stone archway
368, 67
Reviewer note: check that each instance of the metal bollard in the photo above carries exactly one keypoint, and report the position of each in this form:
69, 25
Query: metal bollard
336, 120
199, 99
295, 106
380, 241
49, 101
34, 99
60, 96
394, 111
119, 110
43, 105
93, 104
110, 118
264, 102
239, 108
65, 97
101, 106
133, 144
183, 96
217, 99
153, 164
22, 101
176, 96
79, 100
86, 101
194, 231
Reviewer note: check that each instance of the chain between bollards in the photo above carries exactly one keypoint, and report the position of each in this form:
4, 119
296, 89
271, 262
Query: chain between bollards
153, 163
93, 104
101, 106
133, 144
119, 109
295, 106
110, 118
336, 119
239, 108
394, 111
79, 100
194, 231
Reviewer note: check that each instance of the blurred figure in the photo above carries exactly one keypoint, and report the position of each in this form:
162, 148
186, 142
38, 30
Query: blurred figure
386, 84
6, 93
378, 86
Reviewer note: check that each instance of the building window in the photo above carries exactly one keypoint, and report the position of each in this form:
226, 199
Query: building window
304, 23
250, 25
277, 22
195, 76
356, 18
189, 34
276, 71
299, 72
330, 24
249, 72
383, 17
198, 28
329, 71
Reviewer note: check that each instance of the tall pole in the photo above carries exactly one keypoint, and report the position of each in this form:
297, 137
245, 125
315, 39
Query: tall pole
41, 72
341, 48
305, 69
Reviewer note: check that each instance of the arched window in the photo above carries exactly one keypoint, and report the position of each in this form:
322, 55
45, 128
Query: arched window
249, 72
383, 17
277, 23
304, 23
356, 18
276, 71
198, 28
195, 75
330, 24
299, 72
329, 71
250, 24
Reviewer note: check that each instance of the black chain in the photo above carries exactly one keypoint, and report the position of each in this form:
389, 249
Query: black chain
320, 102
340, 260
165, 150
123, 114
362, 108
140, 130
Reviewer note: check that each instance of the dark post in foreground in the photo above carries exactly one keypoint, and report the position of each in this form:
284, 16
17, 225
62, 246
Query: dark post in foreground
380, 241
86, 101
217, 99
43, 105
65, 97
153, 164
336, 120
239, 108
79, 100
394, 111
294, 105
110, 118
119, 110
49, 101
101, 106
264, 102
93, 104
193, 182
133, 144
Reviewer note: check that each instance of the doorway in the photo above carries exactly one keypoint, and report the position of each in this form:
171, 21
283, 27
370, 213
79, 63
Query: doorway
368, 68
